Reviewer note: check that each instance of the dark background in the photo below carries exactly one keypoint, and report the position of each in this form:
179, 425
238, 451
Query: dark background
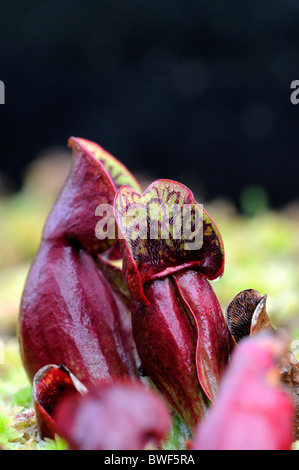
198, 91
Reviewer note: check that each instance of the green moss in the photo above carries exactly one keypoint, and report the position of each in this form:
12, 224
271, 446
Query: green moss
48, 444
179, 435
9, 435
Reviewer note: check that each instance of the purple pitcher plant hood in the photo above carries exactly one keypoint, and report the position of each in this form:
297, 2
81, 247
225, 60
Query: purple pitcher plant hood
52, 384
254, 410
178, 325
75, 305
119, 415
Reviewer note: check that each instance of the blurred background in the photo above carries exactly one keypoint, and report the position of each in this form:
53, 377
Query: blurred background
193, 90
